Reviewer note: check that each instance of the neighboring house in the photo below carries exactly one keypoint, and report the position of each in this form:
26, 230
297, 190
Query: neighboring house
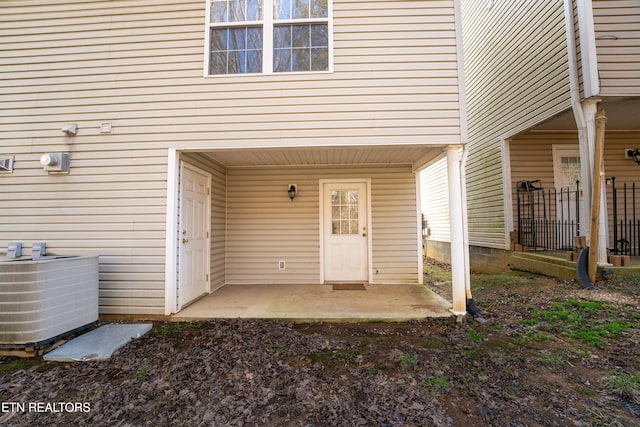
197, 121
535, 73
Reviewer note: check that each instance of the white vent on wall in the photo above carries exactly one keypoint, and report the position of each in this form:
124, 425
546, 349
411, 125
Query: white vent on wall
6, 164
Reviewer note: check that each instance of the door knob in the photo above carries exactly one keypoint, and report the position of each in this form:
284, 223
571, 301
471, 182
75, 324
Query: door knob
364, 234
185, 240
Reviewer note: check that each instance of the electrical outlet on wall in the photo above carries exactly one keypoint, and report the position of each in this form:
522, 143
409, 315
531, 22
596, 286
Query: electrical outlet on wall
281, 265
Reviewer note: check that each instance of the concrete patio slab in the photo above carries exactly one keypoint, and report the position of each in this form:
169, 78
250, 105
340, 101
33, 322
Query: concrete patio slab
318, 302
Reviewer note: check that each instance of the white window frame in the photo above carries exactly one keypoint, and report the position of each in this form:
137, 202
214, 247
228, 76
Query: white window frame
267, 25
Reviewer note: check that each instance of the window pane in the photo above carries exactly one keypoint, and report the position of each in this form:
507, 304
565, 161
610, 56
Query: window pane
282, 37
282, 9
218, 63
300, 60
335, 227
353, 227
237, 62
300, 35
254, 61
254, 10
219, 11
236, 11
281, 60
237, 38
300, 9
219, 39
319, 35
254, 38
319, 59
319, 9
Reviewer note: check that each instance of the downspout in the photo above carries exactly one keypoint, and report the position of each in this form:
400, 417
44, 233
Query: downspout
471, 305
581, 123
464, 138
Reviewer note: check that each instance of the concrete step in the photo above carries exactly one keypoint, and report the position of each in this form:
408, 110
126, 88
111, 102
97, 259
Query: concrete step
543, 264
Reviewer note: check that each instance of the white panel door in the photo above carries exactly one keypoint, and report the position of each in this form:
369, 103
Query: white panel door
566, 171
345, 233
193, 260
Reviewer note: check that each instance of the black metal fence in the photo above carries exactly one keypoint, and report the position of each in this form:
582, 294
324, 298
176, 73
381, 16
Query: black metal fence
625, 221
549, 218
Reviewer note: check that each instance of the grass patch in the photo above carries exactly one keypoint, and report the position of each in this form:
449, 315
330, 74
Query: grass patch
578, 319
551, 359
175, 329
474, 337
623, 383
11, 366
408, 362
141, 373
436, 384
331, 357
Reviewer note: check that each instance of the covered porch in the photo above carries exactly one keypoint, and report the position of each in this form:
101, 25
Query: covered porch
281, 226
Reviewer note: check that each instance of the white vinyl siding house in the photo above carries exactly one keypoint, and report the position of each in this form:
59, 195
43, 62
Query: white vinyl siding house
617, 31
435, 204
516, 76
535, 74
387, 106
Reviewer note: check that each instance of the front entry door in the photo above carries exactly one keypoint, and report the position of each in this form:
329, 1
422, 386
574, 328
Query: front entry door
345, 231
193, 258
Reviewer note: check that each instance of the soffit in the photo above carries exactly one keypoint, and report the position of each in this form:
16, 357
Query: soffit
404, 154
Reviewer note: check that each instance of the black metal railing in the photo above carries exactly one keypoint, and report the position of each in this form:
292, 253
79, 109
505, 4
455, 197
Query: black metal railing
625, 222
548, 219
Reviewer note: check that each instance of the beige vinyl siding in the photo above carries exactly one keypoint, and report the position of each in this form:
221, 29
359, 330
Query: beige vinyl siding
617, 30
138, 64
516, 76
532, 158
218, 213
264, 226
434, 198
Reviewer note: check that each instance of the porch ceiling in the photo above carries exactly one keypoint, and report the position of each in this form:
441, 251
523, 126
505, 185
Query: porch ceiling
622, 114
416, 155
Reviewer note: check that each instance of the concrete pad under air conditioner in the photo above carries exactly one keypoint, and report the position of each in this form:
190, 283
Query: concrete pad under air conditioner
98, 344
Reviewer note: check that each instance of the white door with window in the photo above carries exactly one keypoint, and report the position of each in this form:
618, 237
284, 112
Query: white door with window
566, 171
345, 231
193, 240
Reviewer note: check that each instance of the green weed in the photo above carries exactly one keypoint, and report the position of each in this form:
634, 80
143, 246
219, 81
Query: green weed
408, 362
550, 359
623, 383
474, 337
141, 373
436, 384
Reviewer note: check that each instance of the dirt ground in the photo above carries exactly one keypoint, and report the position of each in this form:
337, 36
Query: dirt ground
542, 353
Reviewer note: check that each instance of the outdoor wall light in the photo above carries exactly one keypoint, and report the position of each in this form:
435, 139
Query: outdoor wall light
55, 162
633, 154
292, 189
70, 130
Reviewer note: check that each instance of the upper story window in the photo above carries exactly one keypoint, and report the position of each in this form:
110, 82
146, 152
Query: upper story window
268, 36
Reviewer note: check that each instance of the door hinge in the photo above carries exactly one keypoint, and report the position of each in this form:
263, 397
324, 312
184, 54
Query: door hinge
207, 278
208, 191
207, 234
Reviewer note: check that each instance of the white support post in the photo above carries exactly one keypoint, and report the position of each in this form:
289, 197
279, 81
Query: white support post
456, 210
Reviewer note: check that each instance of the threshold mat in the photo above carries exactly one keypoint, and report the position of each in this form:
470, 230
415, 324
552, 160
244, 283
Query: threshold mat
349, 287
